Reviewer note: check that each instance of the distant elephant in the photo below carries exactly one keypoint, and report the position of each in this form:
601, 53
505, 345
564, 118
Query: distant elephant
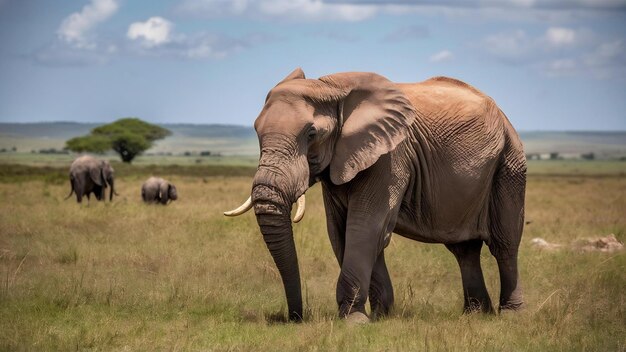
89, 175
435, 161
158, 190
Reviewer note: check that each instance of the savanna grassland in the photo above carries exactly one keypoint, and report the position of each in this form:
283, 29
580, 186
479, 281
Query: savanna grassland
127, 276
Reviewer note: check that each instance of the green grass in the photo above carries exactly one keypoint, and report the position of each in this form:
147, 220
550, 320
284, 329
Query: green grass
126, 276
64, 160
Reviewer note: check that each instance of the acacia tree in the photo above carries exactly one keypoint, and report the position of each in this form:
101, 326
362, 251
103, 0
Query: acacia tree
129, 137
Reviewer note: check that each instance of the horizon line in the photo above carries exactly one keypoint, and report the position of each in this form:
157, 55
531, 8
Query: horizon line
251, 126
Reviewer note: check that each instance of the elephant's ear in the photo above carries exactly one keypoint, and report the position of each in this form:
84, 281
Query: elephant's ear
95, 173
164, 192
107, 172
376, 117
171, 191
295, 74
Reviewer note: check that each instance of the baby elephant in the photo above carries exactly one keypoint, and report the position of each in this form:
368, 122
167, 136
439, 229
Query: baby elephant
158, 190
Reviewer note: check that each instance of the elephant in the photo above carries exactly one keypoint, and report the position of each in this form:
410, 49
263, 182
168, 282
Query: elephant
89, 175
435, 161
158, 190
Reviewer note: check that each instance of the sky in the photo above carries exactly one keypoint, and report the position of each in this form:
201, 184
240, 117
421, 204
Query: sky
549, 64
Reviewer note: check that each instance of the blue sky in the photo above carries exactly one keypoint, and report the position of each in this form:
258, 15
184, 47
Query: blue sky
549, 64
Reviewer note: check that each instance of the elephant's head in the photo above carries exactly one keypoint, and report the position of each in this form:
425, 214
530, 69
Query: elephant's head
167, 192
109, 177
101, 173
337, 125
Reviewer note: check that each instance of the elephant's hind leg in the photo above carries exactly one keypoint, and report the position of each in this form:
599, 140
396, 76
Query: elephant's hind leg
79, 190
475, 295
507, 224
381, 289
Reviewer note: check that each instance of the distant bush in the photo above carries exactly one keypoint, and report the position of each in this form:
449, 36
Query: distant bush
5, 150
53, 151
588, 156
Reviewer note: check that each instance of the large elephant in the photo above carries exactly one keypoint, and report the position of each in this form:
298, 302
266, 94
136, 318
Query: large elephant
435, 161
158, 190
89, 175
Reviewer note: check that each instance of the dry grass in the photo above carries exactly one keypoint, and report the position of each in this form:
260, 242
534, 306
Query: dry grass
125, 276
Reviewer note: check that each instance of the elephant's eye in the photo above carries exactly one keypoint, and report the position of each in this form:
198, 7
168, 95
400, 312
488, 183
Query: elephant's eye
312, 133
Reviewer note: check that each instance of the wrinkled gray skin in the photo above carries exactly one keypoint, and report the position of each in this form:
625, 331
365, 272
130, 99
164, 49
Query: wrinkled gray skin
158, 190
435, 161
90, 175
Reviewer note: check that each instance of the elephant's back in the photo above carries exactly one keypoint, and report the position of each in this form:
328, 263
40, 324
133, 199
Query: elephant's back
150, 185
446, 100
82, 165
463, 127
154, 180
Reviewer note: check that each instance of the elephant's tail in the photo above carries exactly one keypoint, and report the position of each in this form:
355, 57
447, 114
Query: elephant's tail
71, 190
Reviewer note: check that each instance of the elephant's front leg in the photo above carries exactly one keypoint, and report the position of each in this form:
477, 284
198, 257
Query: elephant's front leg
363, 247
335, 220
381, 290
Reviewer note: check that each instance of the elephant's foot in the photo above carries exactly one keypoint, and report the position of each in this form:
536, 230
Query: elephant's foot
357, 318
474, 305
380, 308
511, 307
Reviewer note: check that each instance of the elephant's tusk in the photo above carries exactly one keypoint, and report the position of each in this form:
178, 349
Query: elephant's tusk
247, 205
300, 210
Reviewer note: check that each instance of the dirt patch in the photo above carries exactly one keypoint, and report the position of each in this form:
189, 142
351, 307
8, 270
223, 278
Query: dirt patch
607, 244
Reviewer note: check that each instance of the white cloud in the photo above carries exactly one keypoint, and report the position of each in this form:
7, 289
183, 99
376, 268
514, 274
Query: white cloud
444, 55
62, 54
560, 67
509, 46
290, 10
560, 51
608, 53
315, 10
558, 36
404, 33
74, 28
538, 4
153, 32
607, 60
517, 46
544, 11
358, 10
156, 37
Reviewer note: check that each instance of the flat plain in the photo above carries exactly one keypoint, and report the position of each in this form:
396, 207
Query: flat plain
128, 276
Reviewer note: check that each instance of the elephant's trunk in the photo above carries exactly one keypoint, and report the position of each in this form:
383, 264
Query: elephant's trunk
272, 209
112, 191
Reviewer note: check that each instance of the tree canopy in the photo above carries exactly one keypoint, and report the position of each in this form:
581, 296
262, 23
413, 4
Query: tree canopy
129, 137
